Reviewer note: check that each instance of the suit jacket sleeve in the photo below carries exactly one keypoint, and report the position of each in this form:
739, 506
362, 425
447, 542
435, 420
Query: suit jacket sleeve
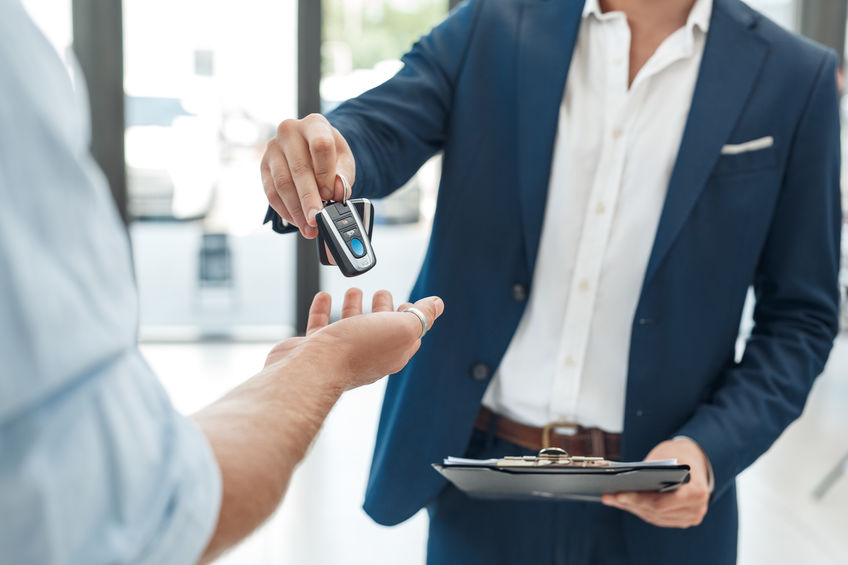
797, 300
394, 128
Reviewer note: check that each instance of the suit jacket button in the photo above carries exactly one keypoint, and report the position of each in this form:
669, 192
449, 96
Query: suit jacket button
480, 371
519, 292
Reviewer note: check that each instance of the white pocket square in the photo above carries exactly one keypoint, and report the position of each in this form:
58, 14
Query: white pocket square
753, 145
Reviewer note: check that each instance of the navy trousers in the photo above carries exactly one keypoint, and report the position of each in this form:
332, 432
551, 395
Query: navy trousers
467, 531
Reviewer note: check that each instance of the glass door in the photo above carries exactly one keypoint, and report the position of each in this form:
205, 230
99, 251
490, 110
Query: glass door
206, 83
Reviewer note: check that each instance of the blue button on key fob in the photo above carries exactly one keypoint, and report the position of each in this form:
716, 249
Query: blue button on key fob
357, 247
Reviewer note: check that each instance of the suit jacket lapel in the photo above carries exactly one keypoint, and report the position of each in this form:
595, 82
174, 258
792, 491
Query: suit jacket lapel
546, 36
731, 62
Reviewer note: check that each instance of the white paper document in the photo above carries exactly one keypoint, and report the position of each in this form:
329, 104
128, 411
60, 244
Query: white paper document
463, 462
471, 462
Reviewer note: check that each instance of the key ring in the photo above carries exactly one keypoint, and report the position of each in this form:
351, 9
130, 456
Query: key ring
346, 185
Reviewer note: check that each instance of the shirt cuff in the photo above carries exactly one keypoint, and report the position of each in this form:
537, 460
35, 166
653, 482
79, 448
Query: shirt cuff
710, 476
193, 513
278, 224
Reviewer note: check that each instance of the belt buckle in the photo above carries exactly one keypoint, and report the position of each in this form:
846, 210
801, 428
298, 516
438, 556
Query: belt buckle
546, 431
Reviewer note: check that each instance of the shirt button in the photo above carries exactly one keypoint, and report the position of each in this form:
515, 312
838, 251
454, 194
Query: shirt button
480, 371
617, 61
519, 292
570, 362
616, 133
584, 285
600, 208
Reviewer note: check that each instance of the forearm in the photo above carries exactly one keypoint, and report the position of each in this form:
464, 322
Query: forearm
394, 128
262, 429
763, 393
759, 399
258, 433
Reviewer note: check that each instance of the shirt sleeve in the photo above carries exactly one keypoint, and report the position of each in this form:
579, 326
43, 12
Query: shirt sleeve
710, 477
96, 466
107, 472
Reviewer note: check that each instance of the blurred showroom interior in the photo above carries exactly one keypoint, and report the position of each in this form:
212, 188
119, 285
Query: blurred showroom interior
204, 85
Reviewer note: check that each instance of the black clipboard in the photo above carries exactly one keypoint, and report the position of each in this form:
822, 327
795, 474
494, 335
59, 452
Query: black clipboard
561, 482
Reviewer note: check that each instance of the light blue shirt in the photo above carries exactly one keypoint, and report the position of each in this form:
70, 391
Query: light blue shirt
95, 464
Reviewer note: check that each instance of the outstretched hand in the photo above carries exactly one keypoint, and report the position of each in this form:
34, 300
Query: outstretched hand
260, 430
367, 346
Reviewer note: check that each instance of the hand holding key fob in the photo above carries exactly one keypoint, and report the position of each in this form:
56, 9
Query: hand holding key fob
344, 229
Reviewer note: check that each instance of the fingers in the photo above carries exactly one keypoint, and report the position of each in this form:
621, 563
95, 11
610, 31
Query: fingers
319, 313
352, 305
345, 165
382, 301
329, 255
271, 191
679, 519
279, 170
304, 195
300, 168
659, 502
318, 134
296, 182
691, 495
677, 510
288, 194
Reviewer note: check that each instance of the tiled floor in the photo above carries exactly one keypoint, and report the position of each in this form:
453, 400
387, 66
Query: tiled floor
781, 523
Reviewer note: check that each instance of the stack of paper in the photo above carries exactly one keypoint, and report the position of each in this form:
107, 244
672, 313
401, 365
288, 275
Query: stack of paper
461, 461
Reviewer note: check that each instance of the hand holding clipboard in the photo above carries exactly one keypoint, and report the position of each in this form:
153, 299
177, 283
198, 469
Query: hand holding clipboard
554, 475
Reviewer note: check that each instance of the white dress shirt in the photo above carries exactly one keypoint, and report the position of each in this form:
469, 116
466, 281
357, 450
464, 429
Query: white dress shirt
615, 150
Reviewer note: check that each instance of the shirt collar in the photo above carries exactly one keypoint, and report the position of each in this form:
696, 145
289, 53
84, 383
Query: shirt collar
699, 15
591, 8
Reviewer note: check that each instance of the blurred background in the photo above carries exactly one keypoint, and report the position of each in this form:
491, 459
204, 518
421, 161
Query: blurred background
185, 94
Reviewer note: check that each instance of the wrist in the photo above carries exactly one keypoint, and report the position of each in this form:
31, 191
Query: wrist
708, 468
319, 367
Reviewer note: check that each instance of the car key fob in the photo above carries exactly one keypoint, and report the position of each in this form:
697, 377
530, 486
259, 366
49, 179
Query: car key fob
342, 232
366, 214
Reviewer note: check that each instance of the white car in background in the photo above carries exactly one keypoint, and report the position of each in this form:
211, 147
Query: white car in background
172, 159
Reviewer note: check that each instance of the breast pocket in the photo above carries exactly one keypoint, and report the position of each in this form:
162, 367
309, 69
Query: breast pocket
746, 157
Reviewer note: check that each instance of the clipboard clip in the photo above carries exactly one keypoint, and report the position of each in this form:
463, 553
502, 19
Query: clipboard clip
553, 457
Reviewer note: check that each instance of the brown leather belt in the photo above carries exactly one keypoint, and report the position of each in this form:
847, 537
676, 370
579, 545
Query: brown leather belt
576, 440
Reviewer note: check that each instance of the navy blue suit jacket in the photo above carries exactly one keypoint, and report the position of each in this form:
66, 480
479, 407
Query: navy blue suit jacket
485, 87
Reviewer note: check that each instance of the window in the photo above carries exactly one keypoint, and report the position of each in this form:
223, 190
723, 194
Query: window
206, 83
